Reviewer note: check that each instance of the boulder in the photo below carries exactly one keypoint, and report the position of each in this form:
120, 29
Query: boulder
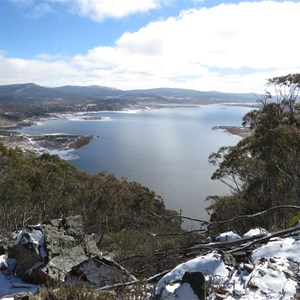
98, 271
197, 282
55, 251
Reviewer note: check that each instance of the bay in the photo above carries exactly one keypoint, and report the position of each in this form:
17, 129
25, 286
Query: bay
164, 149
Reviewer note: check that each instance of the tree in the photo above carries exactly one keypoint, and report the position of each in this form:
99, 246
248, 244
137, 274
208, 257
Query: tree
263, 170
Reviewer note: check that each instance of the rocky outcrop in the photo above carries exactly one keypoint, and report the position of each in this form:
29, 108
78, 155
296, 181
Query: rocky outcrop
58, 251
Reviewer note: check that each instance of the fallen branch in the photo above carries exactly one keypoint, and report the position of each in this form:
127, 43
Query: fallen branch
214, 225
121, 285
256, 214
179, 217
267, 238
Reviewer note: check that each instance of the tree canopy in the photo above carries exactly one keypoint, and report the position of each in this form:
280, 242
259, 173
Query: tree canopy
35, 188
263, 170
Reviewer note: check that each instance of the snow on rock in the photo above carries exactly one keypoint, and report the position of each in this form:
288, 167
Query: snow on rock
270, 277
10, 285
270, 272
211, 265
48, 254
227, 236
183, 291
288, 248
255, 232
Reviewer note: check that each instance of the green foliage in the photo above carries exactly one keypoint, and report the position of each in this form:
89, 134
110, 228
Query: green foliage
37, 188
137, 291
263, 170
73, 292
144, 254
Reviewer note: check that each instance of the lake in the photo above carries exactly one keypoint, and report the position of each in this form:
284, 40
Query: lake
164, 149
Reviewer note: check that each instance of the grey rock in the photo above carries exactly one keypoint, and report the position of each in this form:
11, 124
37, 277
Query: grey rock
100, 271
22, 296
248, 267
272, 266
49, 253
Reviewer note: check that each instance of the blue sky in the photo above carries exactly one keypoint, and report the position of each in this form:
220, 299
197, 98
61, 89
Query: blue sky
205, 45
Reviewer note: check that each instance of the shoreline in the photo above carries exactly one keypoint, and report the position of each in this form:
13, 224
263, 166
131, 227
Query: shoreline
59, 142
40, 143
239, 131
44, 143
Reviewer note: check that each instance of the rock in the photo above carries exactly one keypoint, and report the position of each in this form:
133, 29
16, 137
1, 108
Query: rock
22, 296
99, 271
272, 266
227, 258
197, 282
297, 295
227, 236
262, 272
221, 296
27, 259
49, 253
248, 267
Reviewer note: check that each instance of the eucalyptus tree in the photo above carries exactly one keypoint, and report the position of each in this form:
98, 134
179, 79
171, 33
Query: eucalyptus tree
263, 170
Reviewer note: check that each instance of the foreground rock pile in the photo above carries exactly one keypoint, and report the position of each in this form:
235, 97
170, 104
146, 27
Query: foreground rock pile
257, 265
58, 252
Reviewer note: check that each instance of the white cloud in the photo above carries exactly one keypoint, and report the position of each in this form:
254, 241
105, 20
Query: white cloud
102, 9
205, 49
18, 70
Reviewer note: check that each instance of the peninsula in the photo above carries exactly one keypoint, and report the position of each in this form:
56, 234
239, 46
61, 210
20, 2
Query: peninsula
24, 104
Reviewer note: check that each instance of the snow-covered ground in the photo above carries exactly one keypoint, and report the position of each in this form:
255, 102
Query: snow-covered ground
271, 271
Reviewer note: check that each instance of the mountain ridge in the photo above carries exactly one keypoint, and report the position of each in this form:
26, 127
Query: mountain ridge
34, 92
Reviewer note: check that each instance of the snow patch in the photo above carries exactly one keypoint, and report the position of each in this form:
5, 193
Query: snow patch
227, 236
210, 265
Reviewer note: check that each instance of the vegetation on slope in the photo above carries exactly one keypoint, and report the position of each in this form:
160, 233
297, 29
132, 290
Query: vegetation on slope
263, 170
35, 188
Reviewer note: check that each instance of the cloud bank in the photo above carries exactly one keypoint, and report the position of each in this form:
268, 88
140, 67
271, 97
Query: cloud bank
229, 47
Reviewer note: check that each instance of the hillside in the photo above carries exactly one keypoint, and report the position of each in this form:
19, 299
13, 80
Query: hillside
30, 92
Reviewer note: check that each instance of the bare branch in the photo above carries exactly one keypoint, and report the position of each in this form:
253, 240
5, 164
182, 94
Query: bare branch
121, 285
214, 225
179, 217
267, 238
275, 208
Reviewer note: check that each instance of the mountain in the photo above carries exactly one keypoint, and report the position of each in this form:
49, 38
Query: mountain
33, 93
92, 91
28, 91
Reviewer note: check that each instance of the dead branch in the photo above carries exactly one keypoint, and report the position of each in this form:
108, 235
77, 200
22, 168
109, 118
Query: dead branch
122, 285
267, 238
214, 225
275, 208
179, 217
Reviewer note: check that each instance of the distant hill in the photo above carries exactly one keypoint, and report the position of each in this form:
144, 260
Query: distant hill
32, 93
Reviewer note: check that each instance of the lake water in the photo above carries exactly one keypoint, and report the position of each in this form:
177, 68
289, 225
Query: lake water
165, 149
